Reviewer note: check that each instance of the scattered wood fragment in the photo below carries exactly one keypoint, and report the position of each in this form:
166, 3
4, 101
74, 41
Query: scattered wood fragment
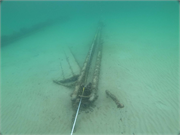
113, 97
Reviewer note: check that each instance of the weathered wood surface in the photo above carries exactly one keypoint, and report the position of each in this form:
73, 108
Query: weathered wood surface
114, 98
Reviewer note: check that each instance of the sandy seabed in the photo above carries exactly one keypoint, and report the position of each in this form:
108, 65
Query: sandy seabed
142, 73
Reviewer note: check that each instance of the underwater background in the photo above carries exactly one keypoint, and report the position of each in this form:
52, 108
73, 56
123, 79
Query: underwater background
140, 65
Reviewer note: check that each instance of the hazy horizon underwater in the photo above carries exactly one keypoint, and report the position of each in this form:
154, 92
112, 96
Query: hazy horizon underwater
43, 41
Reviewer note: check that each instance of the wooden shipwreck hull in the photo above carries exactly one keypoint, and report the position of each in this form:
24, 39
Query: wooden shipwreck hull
85, 91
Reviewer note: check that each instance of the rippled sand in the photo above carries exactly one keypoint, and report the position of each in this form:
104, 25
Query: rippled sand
141, 72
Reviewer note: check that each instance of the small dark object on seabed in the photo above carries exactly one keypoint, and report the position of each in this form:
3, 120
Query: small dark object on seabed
119, 105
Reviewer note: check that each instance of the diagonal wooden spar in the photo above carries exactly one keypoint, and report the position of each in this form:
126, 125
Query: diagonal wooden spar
86, 85
83, 76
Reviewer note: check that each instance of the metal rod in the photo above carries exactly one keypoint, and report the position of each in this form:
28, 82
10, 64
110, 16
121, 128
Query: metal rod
67, 59
74, 57
62, 71
76, 116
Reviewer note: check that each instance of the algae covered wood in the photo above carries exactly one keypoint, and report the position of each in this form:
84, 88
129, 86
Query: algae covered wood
95, 80
114, 98
84, 71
